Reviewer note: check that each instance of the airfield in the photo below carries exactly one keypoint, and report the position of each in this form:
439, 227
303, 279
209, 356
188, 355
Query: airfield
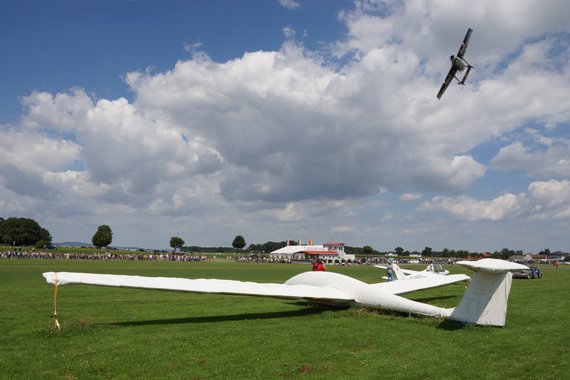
132, 333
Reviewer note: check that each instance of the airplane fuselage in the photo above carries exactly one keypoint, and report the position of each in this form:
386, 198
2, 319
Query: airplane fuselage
458, 63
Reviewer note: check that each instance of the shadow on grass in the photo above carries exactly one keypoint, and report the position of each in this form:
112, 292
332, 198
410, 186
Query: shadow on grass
449, 325
315, 309
431, 299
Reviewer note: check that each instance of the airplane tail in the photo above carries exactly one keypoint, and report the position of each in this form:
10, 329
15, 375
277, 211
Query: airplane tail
398, 273
485, 301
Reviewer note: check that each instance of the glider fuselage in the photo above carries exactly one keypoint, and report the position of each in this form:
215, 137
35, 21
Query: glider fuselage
458, 63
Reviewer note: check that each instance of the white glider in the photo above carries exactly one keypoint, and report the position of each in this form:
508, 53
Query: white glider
409, 274
484, 303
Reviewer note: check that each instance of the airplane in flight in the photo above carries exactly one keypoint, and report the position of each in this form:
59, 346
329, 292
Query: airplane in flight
484, 302
409, 274
458, 63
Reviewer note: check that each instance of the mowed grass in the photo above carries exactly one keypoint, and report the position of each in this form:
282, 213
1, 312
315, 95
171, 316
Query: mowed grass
118, 333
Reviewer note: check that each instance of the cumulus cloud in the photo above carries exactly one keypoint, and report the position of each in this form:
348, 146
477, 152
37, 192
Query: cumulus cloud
435, 28
543, 199
289, 32
283, 134
410, 196
28, 157
545, 160
58, 112
280, 121
550, 199
289, 4
467, 208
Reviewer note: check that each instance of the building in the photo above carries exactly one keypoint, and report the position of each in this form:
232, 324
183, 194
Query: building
330, 253
521, 258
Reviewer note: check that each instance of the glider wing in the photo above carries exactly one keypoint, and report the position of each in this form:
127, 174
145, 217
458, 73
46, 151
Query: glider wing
200, 285
447, 81
405, 271
402, 287
463, 46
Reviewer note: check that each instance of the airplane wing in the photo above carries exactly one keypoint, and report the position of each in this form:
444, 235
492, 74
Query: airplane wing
200, 285
405, 271
447, 81
463, 46
402, 287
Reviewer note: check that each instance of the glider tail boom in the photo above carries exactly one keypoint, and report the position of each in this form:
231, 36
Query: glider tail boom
466, 74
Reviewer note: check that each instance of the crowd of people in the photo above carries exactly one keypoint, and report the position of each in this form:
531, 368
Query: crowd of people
101, 256
181, 256
257, 259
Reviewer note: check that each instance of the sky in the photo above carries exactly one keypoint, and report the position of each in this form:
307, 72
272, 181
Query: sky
288, 119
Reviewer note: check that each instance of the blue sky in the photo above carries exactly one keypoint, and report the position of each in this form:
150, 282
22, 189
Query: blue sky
287, 120
91, 43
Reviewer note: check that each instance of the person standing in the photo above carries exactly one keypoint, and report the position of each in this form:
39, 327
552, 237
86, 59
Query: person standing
319, 266
390, 271
314, 266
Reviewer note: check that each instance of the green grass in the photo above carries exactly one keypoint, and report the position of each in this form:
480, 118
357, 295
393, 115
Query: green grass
129, 333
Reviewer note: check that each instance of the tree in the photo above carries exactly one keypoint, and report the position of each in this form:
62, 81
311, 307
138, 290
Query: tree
506, 253
427, 252
267, 247
22, 231
399, 251
367, 250
176, 243
103, 237
239, 242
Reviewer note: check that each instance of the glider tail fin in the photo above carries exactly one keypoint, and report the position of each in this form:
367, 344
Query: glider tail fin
398, 273
485, 300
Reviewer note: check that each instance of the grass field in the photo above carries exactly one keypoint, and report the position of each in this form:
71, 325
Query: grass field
116, 333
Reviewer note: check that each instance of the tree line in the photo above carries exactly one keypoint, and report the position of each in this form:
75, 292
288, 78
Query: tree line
27, 232
23, 232
20, 232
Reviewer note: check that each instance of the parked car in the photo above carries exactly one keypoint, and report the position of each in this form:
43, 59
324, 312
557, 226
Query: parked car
532, 272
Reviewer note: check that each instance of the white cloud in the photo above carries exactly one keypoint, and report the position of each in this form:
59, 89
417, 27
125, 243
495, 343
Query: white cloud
543, 161
289, 4
279, 120
289, 32
435, 28
341, 229
28, 156
549, 199
291, 213
467, 208
192, 47
299, 140
55, 112
543, 199
410, 196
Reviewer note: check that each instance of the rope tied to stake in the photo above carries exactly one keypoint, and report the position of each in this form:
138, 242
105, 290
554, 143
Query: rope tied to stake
57, 326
